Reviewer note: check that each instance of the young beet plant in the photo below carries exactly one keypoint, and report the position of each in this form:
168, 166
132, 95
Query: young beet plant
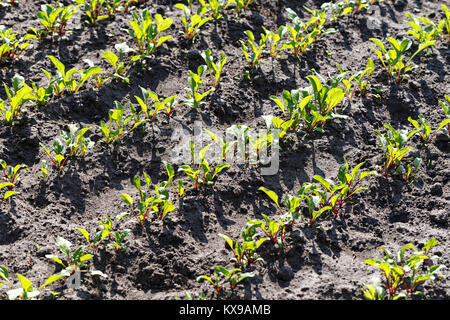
67, 80
217, 7
393, 143
444, 24
10, 45
401, 271
26, 291
253, 56
74, 262
117, 62
11, 109
108, 231
336, 196
94, 9
223, 276
54, 19
394, 60
361, 78
149, 98
76, 145
245, 252
154, 200
200, 174
423, 34
195, 81
446, 107
11, 174
424, 129
192, 22
302, 35
215, 69
146, 31
314, 104
118, 125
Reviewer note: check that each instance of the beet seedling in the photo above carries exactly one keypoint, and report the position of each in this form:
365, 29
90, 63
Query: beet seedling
253, 57
58, 159
74, 262
8, 193
217, 7
192, 22
445, 23
117, 63
10, 173
446, 108
200, 173
159, 104
16, 98
245, 252
149, 203
337, 195
44, 171
26, 291
393, 60
93, 10
66, 80
241, 135
194, 99
302, 35
75, 141
54, 19
223, 276
107, 232
10, 45
411, 272
215, 70
243, 4
274, 38
424, 129
393, 143
275, 231
292, 105
429, 33
116, 128
146, 31
225, 146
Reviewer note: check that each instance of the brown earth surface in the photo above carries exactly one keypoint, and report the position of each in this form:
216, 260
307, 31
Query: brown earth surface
164, 260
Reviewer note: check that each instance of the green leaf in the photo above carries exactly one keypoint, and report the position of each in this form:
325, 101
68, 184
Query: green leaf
127, 199
272, 195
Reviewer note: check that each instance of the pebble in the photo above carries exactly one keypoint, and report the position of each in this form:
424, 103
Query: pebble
285, 273
436, 189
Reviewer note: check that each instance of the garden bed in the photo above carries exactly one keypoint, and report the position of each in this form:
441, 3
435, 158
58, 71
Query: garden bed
164, 259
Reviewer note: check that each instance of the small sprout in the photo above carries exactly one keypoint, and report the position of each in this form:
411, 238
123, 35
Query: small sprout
66, 80
394, 60
10, 173
223, 276
393, 143
120, 68
194, 99
400, 271
201, 173
93, 9
215, 70
117, 126
167, 105
153, 200
192, 22
146, 31
253, 57
424, 129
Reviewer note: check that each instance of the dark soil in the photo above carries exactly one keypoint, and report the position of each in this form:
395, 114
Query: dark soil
164, 260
